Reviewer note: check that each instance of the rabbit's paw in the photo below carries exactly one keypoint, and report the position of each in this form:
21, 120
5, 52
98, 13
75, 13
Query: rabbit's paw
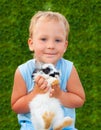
48, 117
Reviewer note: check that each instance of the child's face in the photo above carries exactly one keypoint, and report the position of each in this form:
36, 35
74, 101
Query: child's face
48, 41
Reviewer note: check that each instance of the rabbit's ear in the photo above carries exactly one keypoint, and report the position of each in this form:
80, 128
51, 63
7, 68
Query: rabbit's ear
38, 64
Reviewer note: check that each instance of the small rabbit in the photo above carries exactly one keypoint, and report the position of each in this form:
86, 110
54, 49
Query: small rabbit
46, 111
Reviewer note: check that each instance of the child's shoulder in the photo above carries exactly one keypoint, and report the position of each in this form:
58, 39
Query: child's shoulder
27, 67
64, 63
65, 67
27, 63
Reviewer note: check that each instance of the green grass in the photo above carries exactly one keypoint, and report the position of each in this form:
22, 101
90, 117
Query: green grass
84, 50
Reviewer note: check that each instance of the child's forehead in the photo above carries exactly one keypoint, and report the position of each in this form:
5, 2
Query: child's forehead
49, 16
48, 19
46, 23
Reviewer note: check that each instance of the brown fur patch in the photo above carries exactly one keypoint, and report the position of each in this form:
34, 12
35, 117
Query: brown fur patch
56, 82
64, 124
48, 117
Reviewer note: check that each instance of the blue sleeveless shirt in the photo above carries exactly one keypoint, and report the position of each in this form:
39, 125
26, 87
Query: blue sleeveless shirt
65, 68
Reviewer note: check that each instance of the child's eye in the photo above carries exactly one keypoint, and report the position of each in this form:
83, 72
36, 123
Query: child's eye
43, 39
58, 40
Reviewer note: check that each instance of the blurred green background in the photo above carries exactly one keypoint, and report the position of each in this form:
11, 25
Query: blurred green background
84, 50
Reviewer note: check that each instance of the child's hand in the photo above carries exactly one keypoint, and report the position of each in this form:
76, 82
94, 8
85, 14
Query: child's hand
41, 85
55, 91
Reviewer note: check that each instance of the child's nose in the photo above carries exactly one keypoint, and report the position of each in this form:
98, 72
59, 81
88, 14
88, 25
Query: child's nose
50, 45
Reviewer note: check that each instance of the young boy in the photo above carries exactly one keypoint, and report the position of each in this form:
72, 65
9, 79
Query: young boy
48, 40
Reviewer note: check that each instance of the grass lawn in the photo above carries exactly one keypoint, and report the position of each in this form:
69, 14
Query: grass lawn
84, 50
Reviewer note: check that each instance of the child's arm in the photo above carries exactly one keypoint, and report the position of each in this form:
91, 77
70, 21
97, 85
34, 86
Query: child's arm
20, 97
75, 96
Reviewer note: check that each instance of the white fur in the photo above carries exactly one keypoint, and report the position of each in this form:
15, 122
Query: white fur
43, 103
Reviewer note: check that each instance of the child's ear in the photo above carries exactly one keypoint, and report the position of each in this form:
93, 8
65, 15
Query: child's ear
66, 45
30, 44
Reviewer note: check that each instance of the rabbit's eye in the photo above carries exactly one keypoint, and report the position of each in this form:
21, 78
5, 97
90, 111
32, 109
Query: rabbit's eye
46, 70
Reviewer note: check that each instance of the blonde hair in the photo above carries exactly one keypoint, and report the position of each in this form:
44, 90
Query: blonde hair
48, 15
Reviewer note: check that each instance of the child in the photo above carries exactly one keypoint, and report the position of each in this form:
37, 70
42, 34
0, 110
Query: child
48, 40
